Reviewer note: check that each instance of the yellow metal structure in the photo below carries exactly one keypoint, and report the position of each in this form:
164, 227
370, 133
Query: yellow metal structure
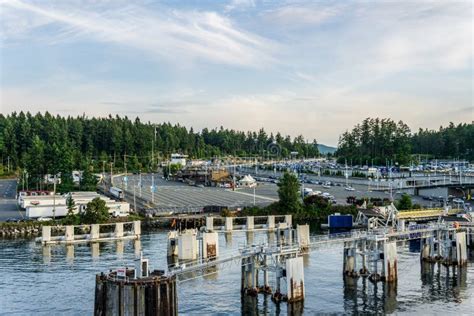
425, 213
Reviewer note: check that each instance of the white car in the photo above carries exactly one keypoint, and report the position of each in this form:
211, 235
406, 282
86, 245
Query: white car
350, 189
44, 219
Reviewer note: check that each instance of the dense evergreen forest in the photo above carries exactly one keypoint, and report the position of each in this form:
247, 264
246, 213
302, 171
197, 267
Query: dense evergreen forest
47, 144
381, 141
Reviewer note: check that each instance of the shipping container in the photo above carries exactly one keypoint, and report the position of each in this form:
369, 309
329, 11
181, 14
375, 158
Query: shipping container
340, 221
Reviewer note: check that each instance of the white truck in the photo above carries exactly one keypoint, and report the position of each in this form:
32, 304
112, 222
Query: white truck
40, 200
39, 211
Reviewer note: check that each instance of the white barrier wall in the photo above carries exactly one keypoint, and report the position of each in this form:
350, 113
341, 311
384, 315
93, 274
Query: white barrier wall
295, 279
69, 233
390, 261
250, 223
137, 229
119, 230
172, 243
95, 229
210, 223
288, 220
461, 248
187, 245
271, 222
229, 221
210, 245
46, 233
302, 232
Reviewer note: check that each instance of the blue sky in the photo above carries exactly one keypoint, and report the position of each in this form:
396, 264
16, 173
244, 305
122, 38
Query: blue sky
300, 67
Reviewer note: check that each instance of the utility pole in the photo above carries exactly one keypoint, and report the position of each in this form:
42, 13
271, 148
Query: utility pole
153, 146
140, 183
111, 179
255, 184
153, 188
125, 162
8, 164
54, 199
134, 199
103, 171
233, 187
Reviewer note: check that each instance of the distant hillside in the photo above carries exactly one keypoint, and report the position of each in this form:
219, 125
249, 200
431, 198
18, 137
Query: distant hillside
323, 149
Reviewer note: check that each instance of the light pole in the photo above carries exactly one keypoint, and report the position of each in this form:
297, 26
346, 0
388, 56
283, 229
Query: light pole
134, 199
153, 188
153, 147
140, 175
111, 179
54, 199
254, 193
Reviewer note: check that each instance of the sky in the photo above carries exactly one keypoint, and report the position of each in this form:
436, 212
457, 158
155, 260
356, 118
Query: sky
314, 68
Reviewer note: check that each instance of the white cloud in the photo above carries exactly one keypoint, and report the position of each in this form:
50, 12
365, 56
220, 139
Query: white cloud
171, 34
299, 16
336, 64
239, 5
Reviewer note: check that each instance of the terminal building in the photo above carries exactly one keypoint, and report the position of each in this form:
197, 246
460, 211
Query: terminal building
48, 206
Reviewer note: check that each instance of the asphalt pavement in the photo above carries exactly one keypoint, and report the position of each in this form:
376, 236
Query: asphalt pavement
174, 195
8, 203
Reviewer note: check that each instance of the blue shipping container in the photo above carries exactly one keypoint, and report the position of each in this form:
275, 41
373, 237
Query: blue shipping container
340, 221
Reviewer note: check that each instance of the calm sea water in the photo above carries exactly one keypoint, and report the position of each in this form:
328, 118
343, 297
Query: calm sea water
60, 280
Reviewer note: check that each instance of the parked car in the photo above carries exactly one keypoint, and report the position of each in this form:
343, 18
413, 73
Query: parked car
44, 219
14, 220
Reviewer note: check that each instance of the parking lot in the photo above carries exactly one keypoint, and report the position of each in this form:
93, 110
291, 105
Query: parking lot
8, 203
177, 196
339, 192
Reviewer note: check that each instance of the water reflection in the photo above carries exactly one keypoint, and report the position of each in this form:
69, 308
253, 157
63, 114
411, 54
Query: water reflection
250, 238
95, 248
137, 245
70, 253
369, 296
228, 239
306, 260
47, 254
271, 237
119, 248
263, 305
441, 282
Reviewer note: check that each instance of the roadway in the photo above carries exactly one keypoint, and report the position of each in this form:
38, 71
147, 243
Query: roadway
8, 203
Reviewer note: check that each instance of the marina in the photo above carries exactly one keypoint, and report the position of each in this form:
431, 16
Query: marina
443, 289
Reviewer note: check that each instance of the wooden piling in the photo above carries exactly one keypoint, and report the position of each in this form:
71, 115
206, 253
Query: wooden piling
153, 295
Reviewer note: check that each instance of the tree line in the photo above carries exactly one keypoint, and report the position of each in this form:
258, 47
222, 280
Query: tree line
382, 141
48, 144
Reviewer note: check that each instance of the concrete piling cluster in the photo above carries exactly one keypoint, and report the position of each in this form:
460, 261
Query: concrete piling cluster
379, 258
447, 247
275, 268
95, 234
